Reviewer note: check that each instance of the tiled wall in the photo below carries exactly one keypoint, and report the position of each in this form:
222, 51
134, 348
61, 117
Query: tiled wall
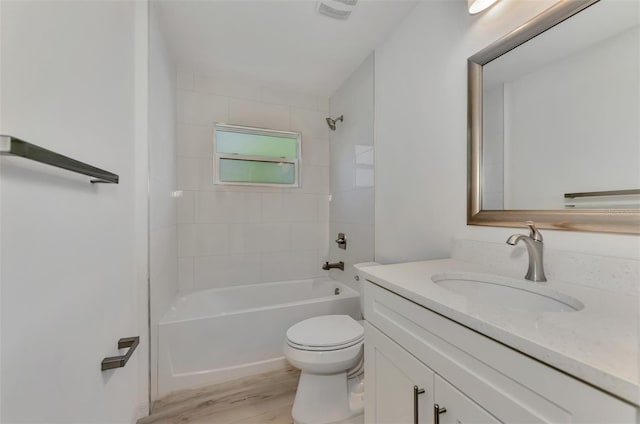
352, 173
163, 232
234, 235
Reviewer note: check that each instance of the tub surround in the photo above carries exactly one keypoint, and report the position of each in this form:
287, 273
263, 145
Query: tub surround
232, 235
598, 344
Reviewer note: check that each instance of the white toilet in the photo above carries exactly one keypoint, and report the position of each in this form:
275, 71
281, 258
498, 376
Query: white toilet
329, 351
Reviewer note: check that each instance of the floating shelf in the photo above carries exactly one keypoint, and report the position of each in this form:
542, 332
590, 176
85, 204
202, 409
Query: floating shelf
12, 146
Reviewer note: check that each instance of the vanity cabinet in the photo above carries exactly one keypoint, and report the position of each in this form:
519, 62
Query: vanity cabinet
404, 390
400, 382
477, 379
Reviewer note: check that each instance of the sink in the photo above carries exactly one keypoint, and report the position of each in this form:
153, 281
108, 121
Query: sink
505, 292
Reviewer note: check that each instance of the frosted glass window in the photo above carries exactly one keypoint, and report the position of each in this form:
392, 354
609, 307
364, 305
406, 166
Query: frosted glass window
256, 156
247, 171
256, 145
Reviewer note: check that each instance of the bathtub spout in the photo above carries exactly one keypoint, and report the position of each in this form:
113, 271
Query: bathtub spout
338, 265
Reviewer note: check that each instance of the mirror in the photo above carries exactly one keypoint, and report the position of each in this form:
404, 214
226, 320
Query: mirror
554, 128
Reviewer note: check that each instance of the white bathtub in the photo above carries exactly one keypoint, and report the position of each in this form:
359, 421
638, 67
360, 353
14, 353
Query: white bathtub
216, 335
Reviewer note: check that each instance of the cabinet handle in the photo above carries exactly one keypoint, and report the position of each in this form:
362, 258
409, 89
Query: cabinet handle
416, 392
436, 413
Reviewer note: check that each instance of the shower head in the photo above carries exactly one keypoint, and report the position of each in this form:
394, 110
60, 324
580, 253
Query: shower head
332, 122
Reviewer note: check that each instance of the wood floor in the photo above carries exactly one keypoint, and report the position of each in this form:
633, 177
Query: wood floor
259, 399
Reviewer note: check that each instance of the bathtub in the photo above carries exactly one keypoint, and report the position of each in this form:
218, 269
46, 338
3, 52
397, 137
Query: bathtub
211, 336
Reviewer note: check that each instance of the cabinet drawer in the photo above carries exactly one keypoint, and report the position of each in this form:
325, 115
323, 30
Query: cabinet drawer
513, 387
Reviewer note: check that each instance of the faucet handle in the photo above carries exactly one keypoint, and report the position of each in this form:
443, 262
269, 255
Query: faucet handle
533, 232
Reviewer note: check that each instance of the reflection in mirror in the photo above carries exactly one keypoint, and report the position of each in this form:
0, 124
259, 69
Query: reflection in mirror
561, 115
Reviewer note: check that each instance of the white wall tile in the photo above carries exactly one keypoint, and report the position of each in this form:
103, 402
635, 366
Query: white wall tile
352, 172
189, 172
311, 123
343, 168
293, 265
364, 154
360, 240
195, 140
315, 152
256, 238
364, 177
323, 105
243, 234
228, 207
285, 207
286, 98
315, 179
352, 206
185, 274
186, 207
201, 109
162, 206
256, 114
203, 239
223, 271
227, 87
323, 207
309, 236
184, 80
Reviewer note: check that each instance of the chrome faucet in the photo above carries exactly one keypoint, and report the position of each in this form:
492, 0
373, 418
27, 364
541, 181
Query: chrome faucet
339, 265
534, 247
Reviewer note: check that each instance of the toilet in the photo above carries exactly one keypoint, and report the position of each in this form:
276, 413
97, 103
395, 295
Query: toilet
329, 351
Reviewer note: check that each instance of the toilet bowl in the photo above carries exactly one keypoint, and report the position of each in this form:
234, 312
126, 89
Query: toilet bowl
328, 350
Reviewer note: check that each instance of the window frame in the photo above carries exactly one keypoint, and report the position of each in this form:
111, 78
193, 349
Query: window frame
256, 131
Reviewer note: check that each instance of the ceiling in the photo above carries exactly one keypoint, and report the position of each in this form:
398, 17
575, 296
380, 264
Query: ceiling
284, 44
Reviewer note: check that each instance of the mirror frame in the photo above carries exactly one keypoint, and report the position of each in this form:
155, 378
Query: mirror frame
626, 221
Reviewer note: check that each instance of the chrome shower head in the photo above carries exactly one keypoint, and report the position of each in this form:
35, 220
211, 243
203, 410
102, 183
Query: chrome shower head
332, 122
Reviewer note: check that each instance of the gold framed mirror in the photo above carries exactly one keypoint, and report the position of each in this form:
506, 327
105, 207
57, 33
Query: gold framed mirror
519, 183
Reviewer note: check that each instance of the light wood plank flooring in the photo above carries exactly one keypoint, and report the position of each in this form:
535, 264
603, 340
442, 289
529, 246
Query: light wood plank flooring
260, 399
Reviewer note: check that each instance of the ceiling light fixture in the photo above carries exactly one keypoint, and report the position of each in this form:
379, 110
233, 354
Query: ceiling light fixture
336, 9
477, 6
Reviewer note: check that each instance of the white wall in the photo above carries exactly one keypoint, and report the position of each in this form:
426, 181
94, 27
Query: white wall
232, 235
163, 246
421, 142
67, 246
352, 171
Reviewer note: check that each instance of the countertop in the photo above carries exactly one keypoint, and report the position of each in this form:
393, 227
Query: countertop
598, 344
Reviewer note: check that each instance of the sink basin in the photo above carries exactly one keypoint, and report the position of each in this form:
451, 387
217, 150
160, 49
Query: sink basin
505, 292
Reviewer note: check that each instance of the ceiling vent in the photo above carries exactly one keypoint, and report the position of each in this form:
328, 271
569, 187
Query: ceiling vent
336, 9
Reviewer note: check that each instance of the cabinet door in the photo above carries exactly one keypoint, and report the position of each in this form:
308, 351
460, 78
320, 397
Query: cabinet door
459, 408
391, 375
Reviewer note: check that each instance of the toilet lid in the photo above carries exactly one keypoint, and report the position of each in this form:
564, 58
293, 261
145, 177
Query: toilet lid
325, 331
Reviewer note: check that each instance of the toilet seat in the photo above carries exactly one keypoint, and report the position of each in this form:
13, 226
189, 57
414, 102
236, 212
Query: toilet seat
324, 348
325, 333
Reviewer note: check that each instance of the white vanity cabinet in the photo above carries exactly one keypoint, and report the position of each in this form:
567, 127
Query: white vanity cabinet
401, 389
400, 382
476, 379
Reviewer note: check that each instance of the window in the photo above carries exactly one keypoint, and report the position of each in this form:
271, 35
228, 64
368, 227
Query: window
256, 156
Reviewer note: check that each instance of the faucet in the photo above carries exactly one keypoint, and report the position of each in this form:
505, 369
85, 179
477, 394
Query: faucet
339, 265
534, 247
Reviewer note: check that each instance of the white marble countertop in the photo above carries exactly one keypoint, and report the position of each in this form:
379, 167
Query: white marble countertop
598, 344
